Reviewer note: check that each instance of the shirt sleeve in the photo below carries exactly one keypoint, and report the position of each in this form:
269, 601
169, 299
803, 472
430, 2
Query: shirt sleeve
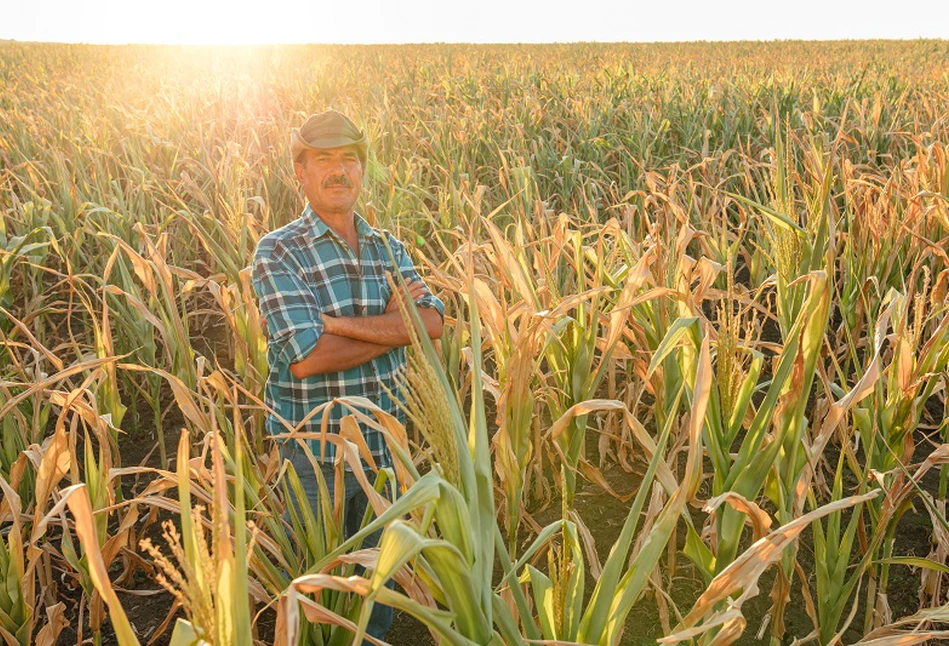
407, 269
294, 322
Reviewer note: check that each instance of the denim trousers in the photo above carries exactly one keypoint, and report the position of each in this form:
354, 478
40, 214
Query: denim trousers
356, 503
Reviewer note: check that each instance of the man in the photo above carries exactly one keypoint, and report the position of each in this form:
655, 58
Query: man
334, 324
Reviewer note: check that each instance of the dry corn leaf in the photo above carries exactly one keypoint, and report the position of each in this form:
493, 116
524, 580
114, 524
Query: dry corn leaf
77, 498
55, 623
758, 518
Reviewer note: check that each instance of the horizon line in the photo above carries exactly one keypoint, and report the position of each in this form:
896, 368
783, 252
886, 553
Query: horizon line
4, 40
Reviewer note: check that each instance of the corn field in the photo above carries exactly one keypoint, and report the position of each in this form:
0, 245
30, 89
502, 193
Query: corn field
692, 384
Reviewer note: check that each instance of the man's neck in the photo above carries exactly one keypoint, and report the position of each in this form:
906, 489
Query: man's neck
342, 224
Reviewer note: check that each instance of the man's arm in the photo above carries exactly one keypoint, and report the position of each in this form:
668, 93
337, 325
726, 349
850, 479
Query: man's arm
350, 341
333, 353
384, 329
288, 305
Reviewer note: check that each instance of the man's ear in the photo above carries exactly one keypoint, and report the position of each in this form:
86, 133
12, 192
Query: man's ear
298, 170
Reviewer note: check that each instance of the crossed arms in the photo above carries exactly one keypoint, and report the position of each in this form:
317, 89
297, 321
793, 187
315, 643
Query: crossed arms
349, 341
311, 342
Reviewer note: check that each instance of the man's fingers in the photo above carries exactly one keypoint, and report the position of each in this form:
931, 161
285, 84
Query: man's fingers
417, 287
414, 290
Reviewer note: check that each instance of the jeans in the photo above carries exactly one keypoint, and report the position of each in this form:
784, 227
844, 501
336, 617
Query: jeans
356, 503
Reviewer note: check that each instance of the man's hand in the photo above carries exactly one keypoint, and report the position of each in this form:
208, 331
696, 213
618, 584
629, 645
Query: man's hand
416, 290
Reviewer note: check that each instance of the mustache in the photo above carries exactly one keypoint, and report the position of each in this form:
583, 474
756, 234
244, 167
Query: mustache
337, 180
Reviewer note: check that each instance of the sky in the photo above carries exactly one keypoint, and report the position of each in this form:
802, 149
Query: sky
475, 21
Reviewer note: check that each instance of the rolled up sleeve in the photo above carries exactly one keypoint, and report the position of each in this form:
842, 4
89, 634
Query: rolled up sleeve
409, 273
290, 307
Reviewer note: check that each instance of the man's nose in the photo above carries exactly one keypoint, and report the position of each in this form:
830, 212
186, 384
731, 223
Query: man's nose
338, 166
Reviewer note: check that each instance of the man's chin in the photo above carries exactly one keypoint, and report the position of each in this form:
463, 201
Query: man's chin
331, 206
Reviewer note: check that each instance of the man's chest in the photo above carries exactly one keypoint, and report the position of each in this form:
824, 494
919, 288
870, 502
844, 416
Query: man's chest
344, 283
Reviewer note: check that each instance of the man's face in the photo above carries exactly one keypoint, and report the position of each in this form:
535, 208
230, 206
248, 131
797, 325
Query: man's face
331, 179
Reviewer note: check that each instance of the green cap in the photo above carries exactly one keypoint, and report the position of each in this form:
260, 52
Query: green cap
330, 129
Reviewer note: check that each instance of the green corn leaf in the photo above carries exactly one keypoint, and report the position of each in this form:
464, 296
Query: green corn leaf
677, 332
543, 591
183, 634
699, 553
916, 561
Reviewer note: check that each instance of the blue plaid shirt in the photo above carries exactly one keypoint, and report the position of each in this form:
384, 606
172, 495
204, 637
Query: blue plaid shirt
301, 271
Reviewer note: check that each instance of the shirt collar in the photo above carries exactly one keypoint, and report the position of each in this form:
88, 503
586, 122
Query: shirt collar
320, 228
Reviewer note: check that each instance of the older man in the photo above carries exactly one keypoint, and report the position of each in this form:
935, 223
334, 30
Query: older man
334, 325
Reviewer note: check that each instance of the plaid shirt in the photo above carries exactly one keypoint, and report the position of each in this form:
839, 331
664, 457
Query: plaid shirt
301, 271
